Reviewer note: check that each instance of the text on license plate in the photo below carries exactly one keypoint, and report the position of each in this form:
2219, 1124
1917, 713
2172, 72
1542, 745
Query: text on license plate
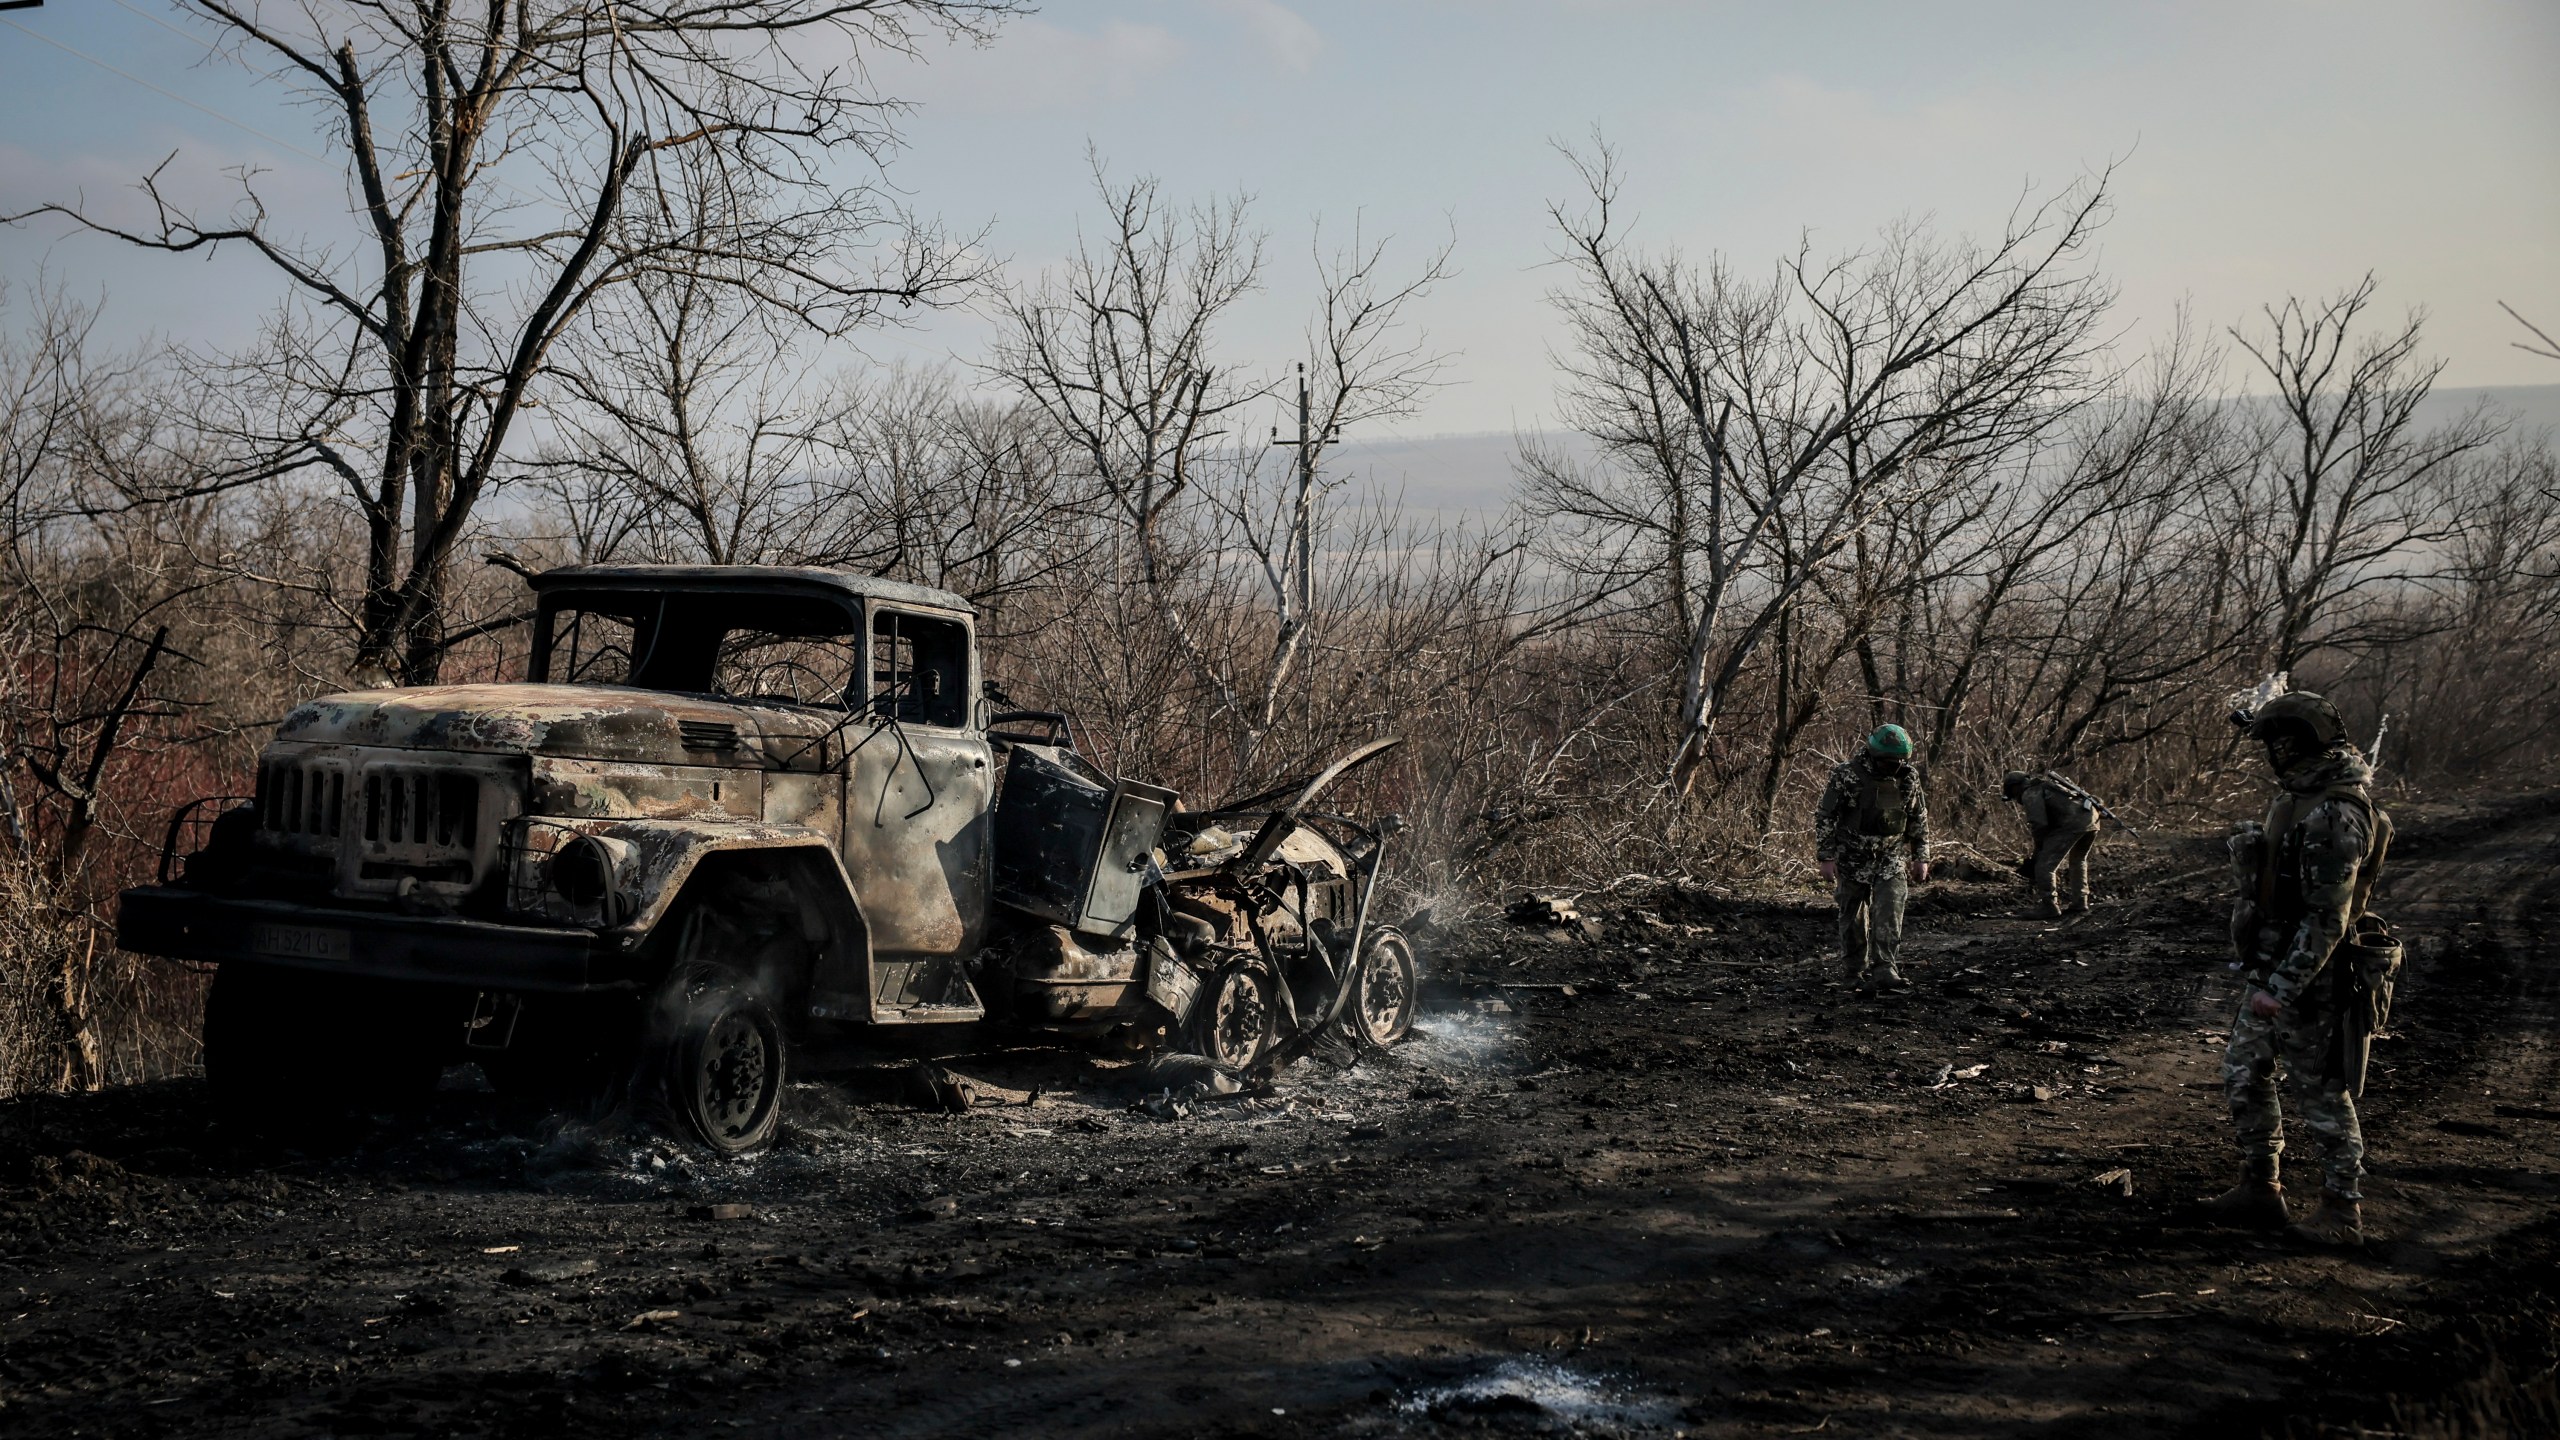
298, 942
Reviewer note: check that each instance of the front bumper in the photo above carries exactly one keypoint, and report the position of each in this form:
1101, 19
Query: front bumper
432, 949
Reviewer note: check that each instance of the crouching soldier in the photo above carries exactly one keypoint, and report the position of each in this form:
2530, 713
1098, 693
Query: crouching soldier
2062, 819
1871, 833
2316, 983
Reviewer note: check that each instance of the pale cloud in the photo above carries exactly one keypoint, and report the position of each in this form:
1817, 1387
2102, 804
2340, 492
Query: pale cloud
1282, 32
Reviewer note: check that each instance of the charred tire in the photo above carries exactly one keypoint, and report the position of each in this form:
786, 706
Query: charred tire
1236, 1017
721, 1058
284, 1048
1381, 1014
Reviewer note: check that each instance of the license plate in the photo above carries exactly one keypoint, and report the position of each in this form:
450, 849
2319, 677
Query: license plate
299, 942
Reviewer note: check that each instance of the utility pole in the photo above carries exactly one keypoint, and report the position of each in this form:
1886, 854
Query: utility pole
1300, 594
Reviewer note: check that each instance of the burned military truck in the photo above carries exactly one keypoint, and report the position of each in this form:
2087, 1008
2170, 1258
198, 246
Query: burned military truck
732, 811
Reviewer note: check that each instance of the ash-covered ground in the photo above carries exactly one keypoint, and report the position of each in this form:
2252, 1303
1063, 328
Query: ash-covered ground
1658, 1177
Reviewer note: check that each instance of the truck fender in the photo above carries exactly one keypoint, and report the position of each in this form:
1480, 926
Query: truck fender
655, 863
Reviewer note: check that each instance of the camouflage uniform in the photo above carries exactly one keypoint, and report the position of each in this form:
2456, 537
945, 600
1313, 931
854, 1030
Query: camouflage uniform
2062, 820
2306, 878
1873, 826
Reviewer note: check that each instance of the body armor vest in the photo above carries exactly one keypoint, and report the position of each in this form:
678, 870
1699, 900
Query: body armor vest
1882, 812
2280, 867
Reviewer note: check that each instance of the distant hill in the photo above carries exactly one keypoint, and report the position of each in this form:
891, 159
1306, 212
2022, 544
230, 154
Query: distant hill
1463, 476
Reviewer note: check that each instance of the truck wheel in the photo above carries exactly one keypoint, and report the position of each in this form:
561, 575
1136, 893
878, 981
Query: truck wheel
1236, 1015
283, 1047
722, 1058
1390, 986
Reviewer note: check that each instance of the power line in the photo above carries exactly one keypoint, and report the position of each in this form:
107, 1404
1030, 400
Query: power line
208, 45
170, 94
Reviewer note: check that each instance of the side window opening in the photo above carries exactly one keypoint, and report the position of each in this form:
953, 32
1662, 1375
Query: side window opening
594, 647
920, 669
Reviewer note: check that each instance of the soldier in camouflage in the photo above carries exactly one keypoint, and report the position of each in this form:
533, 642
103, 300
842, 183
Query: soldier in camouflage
2307, 875
1871, 833
2062, 820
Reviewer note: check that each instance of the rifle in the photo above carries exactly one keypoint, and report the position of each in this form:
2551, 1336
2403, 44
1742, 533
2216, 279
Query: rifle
2101, 806
2107, 810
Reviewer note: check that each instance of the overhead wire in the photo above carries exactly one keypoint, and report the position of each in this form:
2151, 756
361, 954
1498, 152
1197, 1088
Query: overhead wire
211, 49
79, 54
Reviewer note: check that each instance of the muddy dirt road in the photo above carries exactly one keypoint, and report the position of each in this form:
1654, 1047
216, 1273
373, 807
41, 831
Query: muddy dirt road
1668, 1181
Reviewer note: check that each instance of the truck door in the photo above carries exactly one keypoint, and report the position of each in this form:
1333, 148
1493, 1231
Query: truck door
917, 792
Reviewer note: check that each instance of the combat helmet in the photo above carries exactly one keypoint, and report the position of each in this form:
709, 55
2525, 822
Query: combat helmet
2302, 711
1890, 742
2014, 784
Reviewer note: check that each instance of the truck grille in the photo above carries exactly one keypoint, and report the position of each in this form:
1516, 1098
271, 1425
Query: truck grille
302, 799
405, 806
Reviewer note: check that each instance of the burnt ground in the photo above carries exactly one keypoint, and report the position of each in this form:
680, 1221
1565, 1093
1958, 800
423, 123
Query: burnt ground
1665, 1181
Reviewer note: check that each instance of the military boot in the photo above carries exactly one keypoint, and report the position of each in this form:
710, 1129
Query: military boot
2339, 1222
2256, 1203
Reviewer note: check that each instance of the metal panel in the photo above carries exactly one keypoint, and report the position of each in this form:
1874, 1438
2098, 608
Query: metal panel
1071, 849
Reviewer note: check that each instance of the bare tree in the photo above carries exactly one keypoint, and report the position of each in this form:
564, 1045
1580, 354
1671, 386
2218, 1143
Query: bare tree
2549, 349
1757, 427
511, 164
681, 394
1363, 365
2347, 485
1119, 353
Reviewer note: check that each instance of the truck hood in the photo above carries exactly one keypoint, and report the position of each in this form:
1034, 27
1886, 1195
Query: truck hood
583, 722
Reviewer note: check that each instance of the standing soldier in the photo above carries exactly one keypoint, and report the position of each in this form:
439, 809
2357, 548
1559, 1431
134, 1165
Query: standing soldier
2307, 877
1871, 833
2062, 819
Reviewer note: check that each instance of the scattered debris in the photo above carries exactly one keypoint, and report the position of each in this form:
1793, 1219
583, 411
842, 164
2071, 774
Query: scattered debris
722, 1212
647, 1318
551, 1274
2120, 1180
931, 1087
1544, 910
1178, 1085
1178, 1072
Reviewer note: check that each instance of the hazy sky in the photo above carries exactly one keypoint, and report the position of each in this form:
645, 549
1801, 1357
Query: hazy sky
2266, 145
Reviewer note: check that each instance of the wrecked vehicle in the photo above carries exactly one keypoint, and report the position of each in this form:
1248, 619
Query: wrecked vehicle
729, 812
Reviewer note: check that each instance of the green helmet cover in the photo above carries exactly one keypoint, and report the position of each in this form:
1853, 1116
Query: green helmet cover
1890, 740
